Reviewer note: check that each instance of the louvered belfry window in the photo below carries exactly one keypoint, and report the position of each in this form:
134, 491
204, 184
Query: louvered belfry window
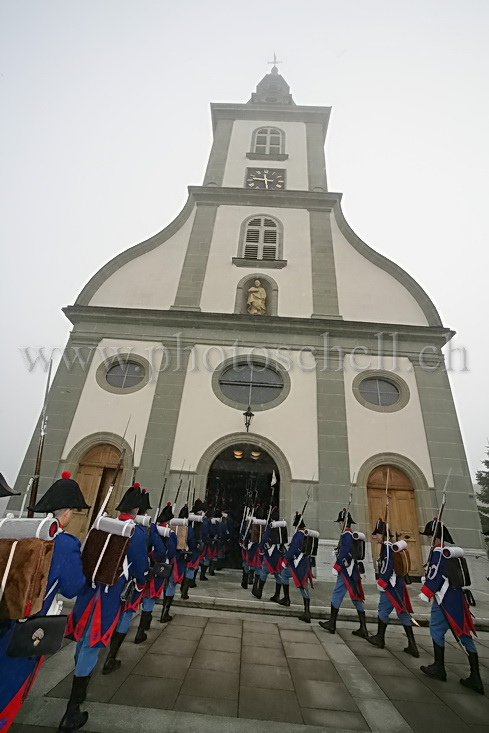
261, 240
269, 141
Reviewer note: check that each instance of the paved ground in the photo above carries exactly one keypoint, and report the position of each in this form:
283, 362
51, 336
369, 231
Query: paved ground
229, 671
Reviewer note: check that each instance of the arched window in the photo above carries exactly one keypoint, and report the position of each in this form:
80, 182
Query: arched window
268, 141
261, 239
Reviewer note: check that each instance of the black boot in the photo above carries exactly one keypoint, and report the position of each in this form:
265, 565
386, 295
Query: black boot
251, 577
276, 596
437, 669
73, 719
285, 601
259, 589
330, 625
411, 648
111, 663
144, 624
254, 590
203, 570
244, 580
474, 681
306, 616
165, 616
184, 589
192, 583
212, 565
362, 630
379, 639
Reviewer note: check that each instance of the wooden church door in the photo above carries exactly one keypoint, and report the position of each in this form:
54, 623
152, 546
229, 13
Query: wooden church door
403, 521
95, 474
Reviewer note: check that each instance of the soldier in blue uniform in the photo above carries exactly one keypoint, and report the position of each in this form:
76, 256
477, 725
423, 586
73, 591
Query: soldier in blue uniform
195, 546
349, 579
449, 610
244, 539
170, 542
297, 566
393, 594
272, 559
93, 621
253, 557
183, 556
65, 577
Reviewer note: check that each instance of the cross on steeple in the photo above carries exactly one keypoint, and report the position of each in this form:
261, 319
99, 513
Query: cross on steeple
275, 62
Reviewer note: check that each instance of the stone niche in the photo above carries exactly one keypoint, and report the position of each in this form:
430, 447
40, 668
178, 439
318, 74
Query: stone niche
270, 287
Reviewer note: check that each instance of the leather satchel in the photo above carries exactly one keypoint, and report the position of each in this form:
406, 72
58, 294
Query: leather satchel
37, 636
162, 570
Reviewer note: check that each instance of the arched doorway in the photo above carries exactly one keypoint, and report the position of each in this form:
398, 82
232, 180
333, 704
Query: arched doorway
402, 510
240, 472
95, 474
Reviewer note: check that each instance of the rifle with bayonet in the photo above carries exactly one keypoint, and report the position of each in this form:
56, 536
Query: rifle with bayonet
158, 508
33, 484
178, 489
308, 496
134, 467
347, 511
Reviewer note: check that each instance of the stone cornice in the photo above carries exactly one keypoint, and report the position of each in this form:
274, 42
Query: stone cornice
232, 323
310, 200
270, 112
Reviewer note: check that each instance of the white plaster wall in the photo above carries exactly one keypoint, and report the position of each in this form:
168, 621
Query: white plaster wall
102, 411
295, 147
368, 293
371, 432
203, 418
294, 281
150, 280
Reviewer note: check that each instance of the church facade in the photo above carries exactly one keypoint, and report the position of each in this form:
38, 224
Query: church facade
258, 336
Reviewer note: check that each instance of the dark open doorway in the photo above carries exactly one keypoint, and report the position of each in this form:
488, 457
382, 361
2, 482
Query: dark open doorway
242, 469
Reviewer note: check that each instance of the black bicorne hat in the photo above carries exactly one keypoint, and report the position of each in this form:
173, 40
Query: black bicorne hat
218, 514
259, 512
63, 494
299, 521
274, 515
380, 528
183, 514
430, 529
5, 489
132, 499
145, 506
166, 514
341, 518
198, 506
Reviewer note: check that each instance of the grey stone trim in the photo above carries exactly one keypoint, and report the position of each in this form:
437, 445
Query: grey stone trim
324, 290
160, 433
333, 456
267, 156
271, 289
268, 264
423, 300
404, 394
216, 166
275, 113
241, 360
63, 399
147, 324
195, 263
316, 162
447, 452
254, 439
136, 251
76, 454
102, 369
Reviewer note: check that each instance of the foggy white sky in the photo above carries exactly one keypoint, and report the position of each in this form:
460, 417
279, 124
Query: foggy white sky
105, 121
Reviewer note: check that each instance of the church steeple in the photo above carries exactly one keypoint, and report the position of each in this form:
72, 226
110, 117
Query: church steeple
272, 89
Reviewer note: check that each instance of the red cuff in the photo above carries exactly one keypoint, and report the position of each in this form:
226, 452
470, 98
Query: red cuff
337, 567
383, 584
427, 592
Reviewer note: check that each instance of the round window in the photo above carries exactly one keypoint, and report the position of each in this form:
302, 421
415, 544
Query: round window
251, 384
125, 375
379, 392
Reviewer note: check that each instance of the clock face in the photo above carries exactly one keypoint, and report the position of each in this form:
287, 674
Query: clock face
265, 178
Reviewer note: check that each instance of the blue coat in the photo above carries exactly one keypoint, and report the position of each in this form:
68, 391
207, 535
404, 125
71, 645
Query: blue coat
274, 560
394, 586
157, 553
66, 577
98, 607
348, 567
451, 600
180, 565
299, 564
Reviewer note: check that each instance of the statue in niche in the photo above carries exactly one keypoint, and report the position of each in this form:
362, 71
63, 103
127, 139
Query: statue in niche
256, 299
